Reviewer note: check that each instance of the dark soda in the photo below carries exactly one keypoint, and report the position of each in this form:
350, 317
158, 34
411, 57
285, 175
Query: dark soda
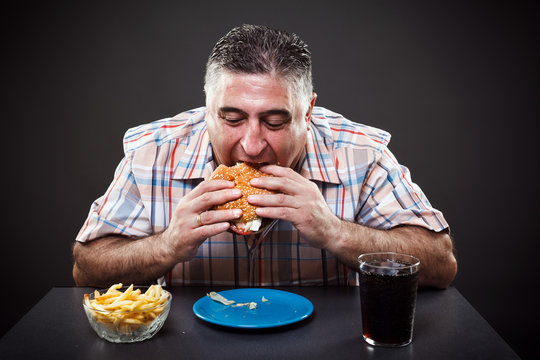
388, 298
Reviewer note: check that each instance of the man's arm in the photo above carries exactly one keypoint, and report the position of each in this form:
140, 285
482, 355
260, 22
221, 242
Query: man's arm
301, 203
438, 265
108, 260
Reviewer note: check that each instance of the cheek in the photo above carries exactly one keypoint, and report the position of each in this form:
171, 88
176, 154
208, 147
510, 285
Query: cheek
229, 135
288, 147
224, 140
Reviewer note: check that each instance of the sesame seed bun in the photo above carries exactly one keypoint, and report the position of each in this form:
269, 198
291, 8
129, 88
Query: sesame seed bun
241, 174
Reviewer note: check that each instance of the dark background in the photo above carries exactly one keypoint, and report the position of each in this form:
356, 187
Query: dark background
456, 83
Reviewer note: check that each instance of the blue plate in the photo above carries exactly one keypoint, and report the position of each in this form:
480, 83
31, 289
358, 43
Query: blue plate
282, 308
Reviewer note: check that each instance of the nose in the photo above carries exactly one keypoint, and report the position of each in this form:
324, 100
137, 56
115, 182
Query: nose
253, 142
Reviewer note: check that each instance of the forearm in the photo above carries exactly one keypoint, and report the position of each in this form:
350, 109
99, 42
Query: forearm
438, 264
105, 261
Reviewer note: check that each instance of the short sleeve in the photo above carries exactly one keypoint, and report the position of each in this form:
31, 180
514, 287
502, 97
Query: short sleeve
390, 198
119, 211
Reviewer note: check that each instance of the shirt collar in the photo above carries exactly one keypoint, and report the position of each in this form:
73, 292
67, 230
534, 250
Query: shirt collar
317, 163
196, 161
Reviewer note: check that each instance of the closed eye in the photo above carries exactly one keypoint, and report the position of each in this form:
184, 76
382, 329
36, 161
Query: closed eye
274, 125
232, 116
276, 119
232, 120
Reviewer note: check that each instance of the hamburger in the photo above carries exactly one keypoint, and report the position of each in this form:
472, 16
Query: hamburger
241, 174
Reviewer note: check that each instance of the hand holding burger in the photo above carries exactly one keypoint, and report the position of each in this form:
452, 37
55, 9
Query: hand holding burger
241, 174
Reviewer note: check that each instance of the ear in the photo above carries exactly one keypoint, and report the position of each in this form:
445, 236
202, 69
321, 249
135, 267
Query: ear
310, 109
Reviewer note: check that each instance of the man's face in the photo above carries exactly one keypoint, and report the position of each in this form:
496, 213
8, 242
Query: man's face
253, 118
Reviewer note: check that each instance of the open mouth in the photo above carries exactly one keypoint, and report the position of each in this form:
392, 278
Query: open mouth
255, 165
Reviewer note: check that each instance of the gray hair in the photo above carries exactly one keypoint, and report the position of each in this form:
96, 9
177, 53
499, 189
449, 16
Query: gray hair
253, 49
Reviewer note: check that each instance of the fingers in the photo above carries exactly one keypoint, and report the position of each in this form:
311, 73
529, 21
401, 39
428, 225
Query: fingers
193, 219
210, 193
210, 199
285, 180
194, 210
207, 231
216, 216
283, 213
281, 172
295, 195
274, 200
209, 186
213, 222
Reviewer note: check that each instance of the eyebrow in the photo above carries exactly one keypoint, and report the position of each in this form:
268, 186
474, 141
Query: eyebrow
229, 109
267, 113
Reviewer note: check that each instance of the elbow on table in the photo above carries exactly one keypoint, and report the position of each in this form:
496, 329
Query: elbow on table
82, 279
78, 274
451, 260
447, 264
450, 273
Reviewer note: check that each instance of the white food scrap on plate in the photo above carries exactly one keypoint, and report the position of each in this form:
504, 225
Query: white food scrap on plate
220, 298
252, 305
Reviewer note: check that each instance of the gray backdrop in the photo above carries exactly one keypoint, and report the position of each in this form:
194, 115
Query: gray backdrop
457, 85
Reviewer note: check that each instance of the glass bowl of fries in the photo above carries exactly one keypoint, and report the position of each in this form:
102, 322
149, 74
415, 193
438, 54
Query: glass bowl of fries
125, 314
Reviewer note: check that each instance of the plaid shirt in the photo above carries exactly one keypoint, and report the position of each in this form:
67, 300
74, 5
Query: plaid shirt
356, 173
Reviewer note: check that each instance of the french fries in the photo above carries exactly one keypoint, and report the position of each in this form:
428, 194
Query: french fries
127, 310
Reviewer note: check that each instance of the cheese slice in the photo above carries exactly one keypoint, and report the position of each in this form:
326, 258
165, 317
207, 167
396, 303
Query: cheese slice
254, 225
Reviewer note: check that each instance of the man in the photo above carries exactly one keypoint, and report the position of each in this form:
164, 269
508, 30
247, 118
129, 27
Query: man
341, 192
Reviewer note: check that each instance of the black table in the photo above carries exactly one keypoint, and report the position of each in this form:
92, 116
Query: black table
446, 327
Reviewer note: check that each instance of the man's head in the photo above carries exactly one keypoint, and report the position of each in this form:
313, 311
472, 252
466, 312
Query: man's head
251, 49
259, 96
